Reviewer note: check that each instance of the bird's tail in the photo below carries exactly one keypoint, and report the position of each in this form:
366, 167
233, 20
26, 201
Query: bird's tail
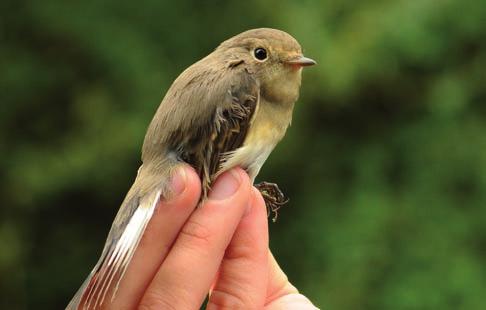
126, 231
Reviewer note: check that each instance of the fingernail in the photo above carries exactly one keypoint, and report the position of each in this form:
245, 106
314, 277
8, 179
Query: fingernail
178, 182
226, 185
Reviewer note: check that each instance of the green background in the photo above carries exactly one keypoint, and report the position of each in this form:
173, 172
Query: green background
385, 162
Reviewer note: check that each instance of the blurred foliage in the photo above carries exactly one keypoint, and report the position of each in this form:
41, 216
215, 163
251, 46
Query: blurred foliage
385, 162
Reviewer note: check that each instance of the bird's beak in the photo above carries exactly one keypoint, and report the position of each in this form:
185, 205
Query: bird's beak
301, 61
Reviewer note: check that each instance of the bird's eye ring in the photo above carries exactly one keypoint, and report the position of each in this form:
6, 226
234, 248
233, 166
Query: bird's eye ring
260, 53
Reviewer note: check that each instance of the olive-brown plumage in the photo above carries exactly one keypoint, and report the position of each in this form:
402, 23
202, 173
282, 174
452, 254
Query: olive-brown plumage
229, 109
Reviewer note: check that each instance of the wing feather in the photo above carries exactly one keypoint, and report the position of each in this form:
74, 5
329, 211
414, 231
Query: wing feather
206, 148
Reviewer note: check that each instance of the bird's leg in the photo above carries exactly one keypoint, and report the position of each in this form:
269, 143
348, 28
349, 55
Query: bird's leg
273, 196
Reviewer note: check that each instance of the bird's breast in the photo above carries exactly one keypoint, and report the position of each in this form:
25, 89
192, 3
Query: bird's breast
266, 129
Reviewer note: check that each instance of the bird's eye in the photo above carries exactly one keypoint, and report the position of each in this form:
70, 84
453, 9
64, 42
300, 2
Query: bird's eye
260, 53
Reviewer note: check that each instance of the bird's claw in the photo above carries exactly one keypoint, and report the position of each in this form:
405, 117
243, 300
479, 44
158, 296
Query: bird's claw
273, 196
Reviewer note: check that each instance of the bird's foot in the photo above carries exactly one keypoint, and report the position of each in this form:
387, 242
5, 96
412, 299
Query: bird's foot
273, 196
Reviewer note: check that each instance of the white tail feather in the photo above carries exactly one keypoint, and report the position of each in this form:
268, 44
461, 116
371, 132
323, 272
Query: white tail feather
115, 263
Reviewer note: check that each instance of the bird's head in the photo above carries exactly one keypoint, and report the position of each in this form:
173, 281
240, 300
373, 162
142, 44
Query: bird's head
275, 58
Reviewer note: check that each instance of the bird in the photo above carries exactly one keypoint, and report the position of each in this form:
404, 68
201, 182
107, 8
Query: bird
228, 109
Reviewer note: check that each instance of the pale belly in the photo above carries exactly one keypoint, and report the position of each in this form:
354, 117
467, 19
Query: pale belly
250, 157
266, 130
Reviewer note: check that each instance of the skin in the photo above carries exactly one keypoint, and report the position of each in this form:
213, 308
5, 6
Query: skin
187, 252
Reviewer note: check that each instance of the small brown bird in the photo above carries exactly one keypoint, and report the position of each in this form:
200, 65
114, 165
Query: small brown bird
229, 109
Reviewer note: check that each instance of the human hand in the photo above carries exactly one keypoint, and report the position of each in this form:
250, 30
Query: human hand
220, 248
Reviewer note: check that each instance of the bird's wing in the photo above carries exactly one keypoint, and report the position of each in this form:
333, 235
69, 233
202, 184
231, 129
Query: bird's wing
224, 130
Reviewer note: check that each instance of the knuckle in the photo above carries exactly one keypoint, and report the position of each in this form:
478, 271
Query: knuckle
220, 299
155, 302
243, 251
195, 232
